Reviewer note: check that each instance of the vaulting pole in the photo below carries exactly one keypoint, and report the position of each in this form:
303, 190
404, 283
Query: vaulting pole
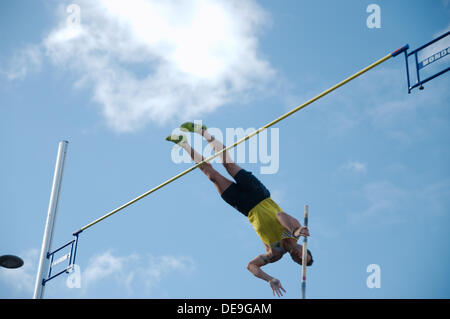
304, 254
387, 57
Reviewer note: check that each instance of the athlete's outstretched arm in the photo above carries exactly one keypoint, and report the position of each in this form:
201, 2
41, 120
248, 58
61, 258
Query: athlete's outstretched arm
255, 265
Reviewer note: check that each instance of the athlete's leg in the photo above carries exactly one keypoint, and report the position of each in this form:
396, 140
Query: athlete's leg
288, 222
231, 167
221, 182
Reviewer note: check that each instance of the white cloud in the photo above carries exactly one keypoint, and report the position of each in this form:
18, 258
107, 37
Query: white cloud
103, 266
22, 279
435, 197
152, 61
355, 167
136, 275
159, 267
132, 271
24, 61
386, 203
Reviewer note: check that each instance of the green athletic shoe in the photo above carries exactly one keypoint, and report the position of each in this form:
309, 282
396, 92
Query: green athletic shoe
191, 127
177, 139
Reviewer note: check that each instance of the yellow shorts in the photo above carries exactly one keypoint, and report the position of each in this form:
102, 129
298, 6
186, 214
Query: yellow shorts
263, 218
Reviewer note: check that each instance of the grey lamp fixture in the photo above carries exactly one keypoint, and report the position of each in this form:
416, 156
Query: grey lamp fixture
10, 261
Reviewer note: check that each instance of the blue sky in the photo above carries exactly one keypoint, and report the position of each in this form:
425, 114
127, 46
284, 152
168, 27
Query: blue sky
371, 161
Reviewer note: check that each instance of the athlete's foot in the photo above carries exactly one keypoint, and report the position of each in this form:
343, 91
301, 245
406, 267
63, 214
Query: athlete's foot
192, 127
177, 139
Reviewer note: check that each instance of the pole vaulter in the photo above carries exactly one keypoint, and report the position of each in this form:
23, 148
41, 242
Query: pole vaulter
296, 230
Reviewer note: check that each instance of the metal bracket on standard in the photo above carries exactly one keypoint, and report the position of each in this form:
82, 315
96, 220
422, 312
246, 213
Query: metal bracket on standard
68, 256
437, 52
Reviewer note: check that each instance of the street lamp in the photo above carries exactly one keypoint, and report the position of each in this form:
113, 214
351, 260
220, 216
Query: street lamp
10, 261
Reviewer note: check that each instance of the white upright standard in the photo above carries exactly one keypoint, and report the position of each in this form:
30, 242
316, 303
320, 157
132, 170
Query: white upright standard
51, 217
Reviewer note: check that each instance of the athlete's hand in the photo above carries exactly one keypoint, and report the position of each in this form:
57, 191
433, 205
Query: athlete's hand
276, 286
302, 231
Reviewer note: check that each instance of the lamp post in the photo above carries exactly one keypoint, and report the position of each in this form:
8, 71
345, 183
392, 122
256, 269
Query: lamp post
11, 261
